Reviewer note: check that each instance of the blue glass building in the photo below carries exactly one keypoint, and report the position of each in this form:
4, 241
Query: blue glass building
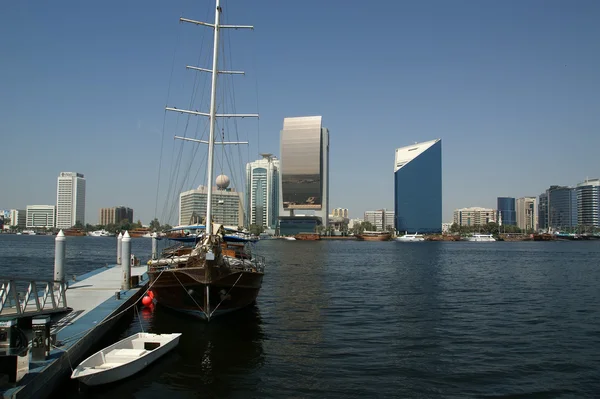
418, 188
562, 207
506, 205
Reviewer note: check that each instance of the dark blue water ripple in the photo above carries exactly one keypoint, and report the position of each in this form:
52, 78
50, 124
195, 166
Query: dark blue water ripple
360, 319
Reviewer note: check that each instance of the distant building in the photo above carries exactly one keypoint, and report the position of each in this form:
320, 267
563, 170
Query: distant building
562, 207
527, 214
446, 227
382, 219
418, 187
304, 174
115, 215
588, 203
474, 216
41, 216
226, 205
354, 222
543, 211
507, 207
339, 212
262, 192
70, 200
18, 218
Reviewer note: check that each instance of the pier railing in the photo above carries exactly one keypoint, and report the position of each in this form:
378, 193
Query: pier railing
41, 296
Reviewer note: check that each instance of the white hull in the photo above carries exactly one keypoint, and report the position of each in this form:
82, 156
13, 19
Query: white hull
290, 238
124, 358
410, 238
481, 238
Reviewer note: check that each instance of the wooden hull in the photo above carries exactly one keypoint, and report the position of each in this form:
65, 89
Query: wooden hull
185, 289
307, 236
379, 237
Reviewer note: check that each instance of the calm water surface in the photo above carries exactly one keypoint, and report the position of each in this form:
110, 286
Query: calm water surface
372, 319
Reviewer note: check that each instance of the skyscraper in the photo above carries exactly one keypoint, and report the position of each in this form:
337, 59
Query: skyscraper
262, 192
418, 187
506, 205
115, 215
70, 200
304, 174
588, 203
527, 213
562, 207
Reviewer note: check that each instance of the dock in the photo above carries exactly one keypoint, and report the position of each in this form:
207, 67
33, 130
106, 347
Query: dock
94, 303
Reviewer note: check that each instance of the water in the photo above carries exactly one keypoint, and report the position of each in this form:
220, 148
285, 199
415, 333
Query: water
375, 319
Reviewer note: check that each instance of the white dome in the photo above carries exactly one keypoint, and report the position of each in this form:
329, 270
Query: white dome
222, 182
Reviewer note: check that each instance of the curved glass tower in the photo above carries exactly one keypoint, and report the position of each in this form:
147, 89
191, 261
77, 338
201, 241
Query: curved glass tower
418, 188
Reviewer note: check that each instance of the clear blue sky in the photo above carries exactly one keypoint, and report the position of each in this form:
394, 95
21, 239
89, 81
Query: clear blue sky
511, 87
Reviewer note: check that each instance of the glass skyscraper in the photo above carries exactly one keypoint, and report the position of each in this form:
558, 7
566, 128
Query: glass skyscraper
418, 187
562, 207
304, 174
506, 205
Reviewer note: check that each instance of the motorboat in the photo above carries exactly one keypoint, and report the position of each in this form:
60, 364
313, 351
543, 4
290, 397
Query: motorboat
410, 238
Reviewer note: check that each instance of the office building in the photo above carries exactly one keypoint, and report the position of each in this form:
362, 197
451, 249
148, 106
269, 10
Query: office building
70, 200
115, 215
227, 208
262, 192
562, 207
474, 216
41, 216
543, 212
527, 214
382, 219
18, 218
506, 207
304, 183
588, 203
418, 187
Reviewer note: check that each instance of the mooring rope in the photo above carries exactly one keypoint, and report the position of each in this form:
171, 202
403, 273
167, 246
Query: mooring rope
190, 295
219, 304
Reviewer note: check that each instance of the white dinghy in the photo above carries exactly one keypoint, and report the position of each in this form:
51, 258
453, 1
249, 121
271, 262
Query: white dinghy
124, 358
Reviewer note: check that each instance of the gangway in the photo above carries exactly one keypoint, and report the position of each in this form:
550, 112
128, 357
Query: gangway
41, 298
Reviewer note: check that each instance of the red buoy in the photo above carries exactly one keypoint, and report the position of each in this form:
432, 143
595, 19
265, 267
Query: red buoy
146, 300
151, 294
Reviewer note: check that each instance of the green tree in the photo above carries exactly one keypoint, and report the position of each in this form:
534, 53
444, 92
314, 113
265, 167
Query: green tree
78, 225
155, 225
255, 229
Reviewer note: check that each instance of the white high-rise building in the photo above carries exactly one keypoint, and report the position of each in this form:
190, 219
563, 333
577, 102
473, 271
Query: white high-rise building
527, 213
262, 192
227, 206
588, 203
381, 219
70, 200
18, 218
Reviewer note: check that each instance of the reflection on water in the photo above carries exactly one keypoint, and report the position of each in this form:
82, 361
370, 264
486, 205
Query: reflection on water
214, 358
385, 319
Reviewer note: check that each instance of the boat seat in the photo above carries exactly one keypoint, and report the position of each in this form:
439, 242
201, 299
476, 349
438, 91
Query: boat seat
107, 365
124, 355
127, 352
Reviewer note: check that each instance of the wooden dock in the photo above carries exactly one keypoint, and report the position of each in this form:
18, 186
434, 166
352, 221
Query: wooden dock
97, 304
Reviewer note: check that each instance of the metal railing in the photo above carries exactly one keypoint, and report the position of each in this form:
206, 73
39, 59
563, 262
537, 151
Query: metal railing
41, 296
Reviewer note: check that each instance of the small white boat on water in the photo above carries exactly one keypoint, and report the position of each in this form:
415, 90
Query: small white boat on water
124, 358
100, 233
290, 238
410, 238
481, 238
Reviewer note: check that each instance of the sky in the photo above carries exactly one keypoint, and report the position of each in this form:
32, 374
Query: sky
510, 87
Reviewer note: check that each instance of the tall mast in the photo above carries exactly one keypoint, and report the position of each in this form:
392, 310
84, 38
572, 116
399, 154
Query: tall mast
212, 114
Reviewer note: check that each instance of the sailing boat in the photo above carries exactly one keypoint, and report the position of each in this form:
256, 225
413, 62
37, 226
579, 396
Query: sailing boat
216, 275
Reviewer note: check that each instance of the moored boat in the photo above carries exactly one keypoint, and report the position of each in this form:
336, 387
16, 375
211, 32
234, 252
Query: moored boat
307, 236
411, 238
124, 358
481, 238
374, 236
219, 273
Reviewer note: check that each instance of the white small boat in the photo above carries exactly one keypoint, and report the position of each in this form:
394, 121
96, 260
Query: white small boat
124, 358
290, 238
411, 238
